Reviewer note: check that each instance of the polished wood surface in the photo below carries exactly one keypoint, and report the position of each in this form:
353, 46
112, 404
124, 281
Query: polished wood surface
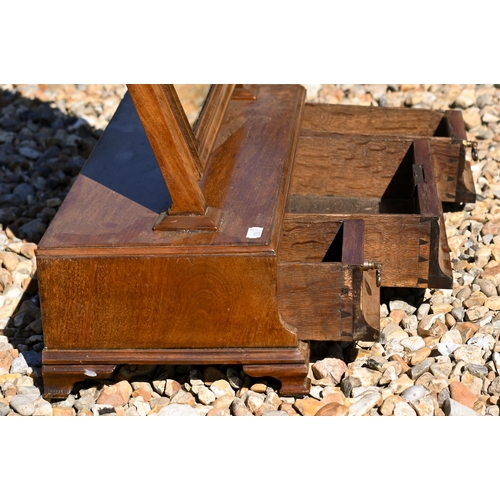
232, 182
209, 122
173, 144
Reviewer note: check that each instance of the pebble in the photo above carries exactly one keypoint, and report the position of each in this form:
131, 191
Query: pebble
403, 409
453, 408
365, 404
469, 354
116, 395
424, 407
333, 410
329, 367
222, 388
22, 405
413, 393
308, 406
178, 410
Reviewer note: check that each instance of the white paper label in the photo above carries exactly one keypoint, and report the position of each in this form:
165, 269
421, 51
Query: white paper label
254, 232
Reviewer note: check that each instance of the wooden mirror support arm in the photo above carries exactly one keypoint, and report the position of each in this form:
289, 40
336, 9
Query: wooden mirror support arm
181, 154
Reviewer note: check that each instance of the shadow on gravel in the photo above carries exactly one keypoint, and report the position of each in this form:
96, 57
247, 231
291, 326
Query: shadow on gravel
42, 150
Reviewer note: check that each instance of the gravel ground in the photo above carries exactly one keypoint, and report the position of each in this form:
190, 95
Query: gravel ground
440, 349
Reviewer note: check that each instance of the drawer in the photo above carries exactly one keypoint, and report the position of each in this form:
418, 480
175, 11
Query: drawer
402, 214
326, 290
395, 128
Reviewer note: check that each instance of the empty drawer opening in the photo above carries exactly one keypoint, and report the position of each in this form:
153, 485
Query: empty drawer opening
355, 184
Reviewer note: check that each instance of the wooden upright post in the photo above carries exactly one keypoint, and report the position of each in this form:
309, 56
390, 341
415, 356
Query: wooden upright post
173, 144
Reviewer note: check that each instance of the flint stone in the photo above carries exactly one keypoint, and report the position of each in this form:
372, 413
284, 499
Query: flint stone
419, 356
30, 391
22, 405
493, 303
432, 383
421, 368
222, 388
494, 387
205, 396
177, 410
348, 384
19, 365
259, 387
223, 403
476, 369
453, 336
389, 375
487, 287
469, 354
273, 399
239, 409
333, 410
333, 396
60, 411
171, 388
446, 348
234, 380
116, 395
365, 404
388, 405
427, 322
493, 411
43, 409
403, 409
401, 304
183, 397
366, 376
466, 99
413, 343
308, 407
275, 413
143, 408
400, 384
442, 369
254, 400
423, 310
413, 393
316, 391
424, 407
410, 323
492, 274
329, 367
443, 395
378, 363
475, 384
4, 409
453, 408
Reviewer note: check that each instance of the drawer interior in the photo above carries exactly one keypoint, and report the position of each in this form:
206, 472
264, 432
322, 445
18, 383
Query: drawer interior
397, 122
354, 179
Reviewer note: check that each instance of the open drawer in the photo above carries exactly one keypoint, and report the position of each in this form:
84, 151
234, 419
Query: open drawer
326, 289
393, 128
404, 226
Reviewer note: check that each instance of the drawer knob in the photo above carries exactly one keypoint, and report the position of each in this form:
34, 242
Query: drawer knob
370, 264
473, 146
